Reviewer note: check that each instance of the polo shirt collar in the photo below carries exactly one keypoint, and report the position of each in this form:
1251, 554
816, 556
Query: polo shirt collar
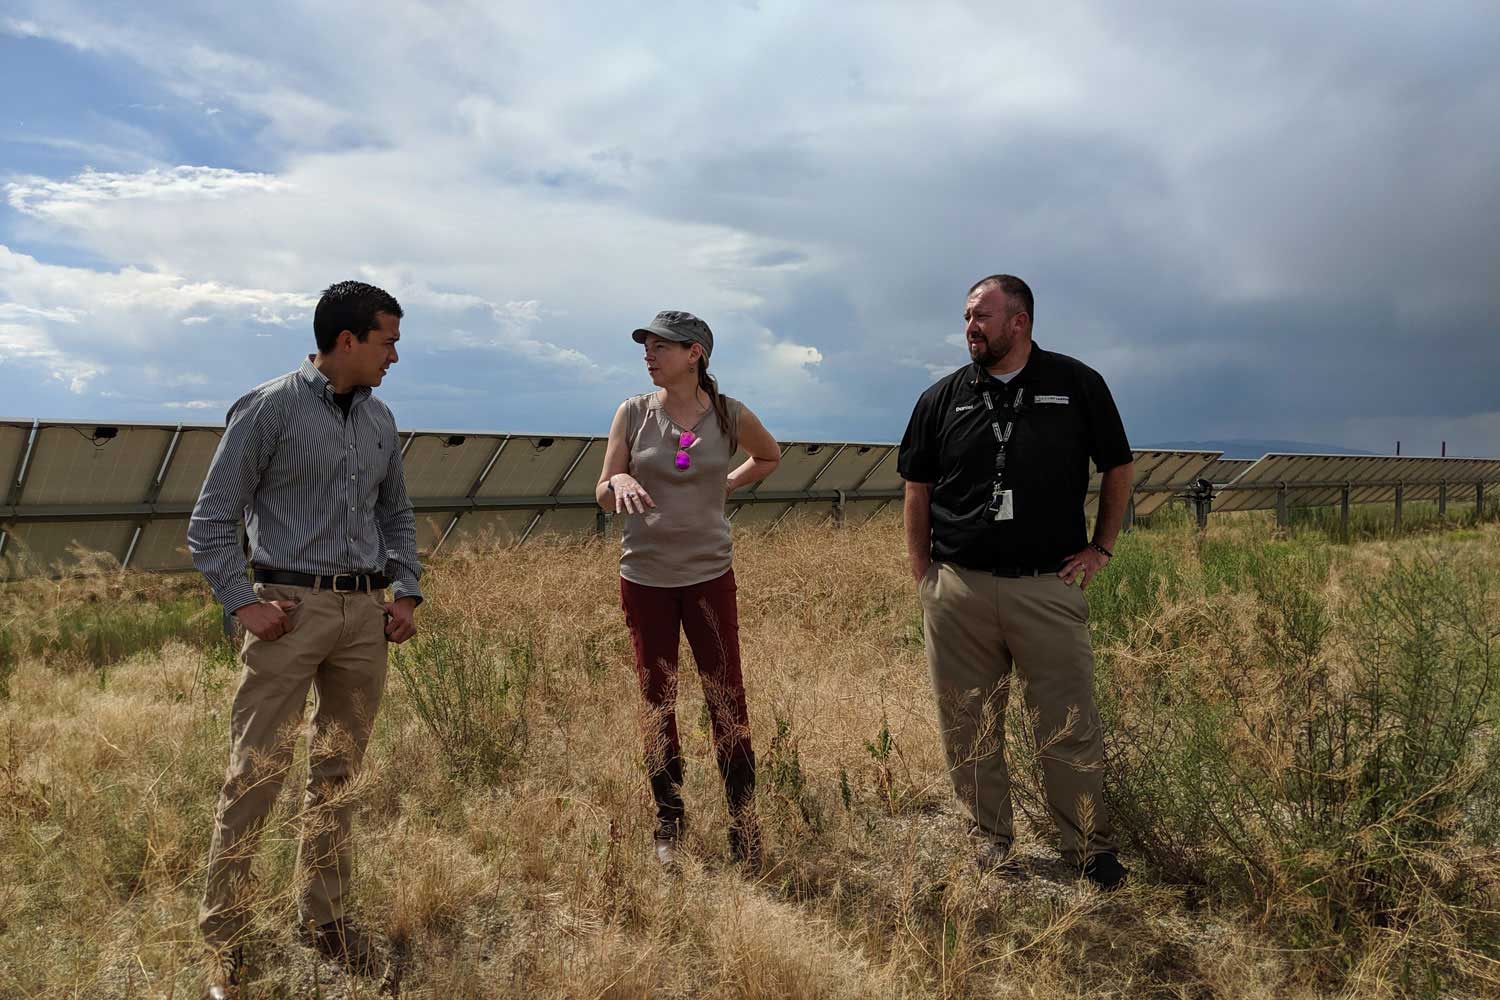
320, 384
979, 376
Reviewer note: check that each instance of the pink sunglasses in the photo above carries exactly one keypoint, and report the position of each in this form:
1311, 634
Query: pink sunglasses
683, 444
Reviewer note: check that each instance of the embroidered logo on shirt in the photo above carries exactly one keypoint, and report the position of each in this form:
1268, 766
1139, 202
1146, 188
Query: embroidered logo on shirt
1052, 399
960, 409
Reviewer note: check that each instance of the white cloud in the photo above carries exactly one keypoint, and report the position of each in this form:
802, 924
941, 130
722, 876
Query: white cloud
68, 200
27, 28
771, 371
61, 314
32, 346
157, 375
43, 307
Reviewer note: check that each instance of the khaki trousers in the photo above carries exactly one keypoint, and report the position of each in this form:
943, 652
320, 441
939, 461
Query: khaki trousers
336, 647
977, 627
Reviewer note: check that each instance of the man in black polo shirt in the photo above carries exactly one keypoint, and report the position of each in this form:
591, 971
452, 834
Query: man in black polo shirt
996, 462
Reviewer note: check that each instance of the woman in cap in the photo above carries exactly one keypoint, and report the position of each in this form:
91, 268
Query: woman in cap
666, 470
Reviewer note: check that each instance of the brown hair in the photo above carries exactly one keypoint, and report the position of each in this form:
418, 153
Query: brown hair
710, 385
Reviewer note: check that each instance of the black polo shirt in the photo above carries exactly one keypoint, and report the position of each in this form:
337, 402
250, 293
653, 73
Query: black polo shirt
1067, 418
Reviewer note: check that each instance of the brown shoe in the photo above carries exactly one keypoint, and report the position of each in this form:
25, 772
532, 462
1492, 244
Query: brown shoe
345, 942
994, 857
228, 973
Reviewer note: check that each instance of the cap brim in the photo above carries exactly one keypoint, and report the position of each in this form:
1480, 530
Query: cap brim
640, 335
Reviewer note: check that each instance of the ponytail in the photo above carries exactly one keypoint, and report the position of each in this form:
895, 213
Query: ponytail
710, 385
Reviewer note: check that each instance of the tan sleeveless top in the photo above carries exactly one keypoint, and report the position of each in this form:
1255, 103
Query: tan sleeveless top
684, 539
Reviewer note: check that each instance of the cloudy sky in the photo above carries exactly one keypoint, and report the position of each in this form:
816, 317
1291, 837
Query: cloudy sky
1281, 221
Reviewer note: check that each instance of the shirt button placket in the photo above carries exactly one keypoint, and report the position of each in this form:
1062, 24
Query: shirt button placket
353, 482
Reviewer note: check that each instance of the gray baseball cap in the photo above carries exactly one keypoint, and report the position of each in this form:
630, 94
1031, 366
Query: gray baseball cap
683, 327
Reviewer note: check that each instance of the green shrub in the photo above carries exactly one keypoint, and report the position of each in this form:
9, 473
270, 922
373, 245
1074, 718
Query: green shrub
1321, 769
784, 779
471, 693
1143, 575
101, 633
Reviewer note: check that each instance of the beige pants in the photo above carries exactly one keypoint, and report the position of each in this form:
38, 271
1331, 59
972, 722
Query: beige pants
336, 647
977, 626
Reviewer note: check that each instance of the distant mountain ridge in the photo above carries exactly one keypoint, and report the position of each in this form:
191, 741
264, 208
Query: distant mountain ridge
1250, 448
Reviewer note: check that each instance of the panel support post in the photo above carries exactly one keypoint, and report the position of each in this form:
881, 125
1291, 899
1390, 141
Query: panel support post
601, 524
1399, 492
1282, 515
1129, 521
1344, 513
838, 509
1479, 501
1442, 499
1201, 496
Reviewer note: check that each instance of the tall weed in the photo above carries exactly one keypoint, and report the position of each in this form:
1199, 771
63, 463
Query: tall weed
470, 690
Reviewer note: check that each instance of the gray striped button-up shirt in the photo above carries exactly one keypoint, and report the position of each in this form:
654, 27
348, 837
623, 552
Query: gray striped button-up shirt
317, 493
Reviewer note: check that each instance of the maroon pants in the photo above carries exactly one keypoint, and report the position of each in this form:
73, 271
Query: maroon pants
709, 616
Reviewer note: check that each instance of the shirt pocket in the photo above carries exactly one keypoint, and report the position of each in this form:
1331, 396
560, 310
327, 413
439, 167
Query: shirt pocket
371, 446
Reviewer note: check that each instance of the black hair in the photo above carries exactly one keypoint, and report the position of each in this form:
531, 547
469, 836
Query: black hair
350, 305
1014, 288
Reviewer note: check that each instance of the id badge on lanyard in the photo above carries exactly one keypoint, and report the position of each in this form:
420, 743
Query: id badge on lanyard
1002, 501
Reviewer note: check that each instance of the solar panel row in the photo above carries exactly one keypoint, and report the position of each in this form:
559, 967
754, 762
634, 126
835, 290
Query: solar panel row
1320, 480
126, 490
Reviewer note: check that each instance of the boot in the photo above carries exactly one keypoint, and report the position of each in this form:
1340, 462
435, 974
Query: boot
744, 841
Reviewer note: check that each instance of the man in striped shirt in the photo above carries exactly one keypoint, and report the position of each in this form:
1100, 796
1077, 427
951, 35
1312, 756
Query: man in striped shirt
311, 463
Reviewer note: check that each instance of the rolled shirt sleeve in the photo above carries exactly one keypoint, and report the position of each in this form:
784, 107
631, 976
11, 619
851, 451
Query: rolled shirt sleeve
213, 536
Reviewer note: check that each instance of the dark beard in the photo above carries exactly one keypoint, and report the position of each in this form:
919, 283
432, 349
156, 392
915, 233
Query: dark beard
985, 356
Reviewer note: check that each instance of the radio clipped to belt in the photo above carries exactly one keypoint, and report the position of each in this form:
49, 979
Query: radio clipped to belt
1002, 501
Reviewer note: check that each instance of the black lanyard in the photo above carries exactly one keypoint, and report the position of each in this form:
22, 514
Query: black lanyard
1002, 437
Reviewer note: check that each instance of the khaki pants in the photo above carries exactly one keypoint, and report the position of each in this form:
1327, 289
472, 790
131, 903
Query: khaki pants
336, 647
977, 626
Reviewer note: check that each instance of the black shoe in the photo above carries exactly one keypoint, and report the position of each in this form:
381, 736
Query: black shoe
1105, 871
228, 973
345, 942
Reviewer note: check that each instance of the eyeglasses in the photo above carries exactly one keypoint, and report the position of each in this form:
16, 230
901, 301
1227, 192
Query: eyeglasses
684, 460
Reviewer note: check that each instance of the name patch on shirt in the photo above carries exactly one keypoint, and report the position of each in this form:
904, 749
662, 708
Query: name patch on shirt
960, 409
1063, 400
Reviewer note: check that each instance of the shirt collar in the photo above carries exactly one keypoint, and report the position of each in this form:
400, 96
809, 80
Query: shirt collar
321, 385
979, 376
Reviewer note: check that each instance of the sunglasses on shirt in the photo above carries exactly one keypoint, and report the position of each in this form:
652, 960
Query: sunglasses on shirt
684, 460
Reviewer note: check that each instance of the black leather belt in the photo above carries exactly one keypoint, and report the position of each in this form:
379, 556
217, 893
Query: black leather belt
1015, 572
339, 583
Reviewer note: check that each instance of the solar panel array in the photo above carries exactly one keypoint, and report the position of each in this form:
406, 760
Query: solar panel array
127, 490
1159, 476
1226, 470
1320, 480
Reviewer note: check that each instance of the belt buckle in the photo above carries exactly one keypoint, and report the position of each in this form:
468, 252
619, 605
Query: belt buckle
353, 579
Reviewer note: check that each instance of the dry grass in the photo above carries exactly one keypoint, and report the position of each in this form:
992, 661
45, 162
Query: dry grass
526, 872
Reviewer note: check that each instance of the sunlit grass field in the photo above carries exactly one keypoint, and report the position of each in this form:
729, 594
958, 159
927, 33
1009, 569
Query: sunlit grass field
1304, 767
